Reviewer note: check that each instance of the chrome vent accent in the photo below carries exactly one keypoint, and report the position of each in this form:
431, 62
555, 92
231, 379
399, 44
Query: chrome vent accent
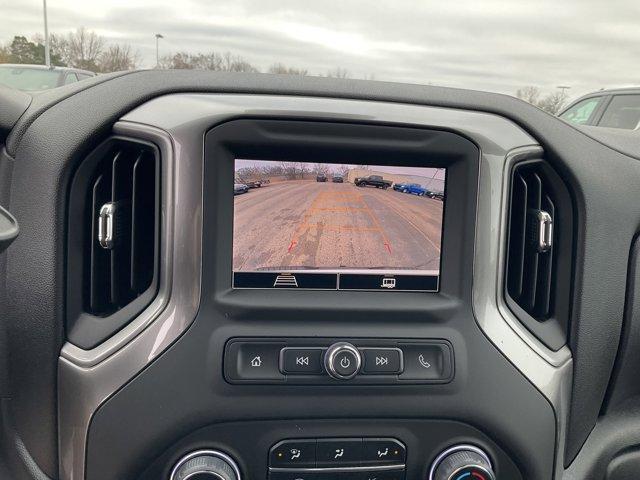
122, 215
539, 249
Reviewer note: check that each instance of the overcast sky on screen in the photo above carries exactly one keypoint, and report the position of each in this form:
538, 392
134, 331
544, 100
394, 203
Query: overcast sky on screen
438, 173
487, 45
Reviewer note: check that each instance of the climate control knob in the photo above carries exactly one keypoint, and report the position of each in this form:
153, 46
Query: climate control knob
462, 462
206, 465
342, 361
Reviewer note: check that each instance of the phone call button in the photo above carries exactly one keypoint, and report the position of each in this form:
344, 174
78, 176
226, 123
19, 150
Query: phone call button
427, 361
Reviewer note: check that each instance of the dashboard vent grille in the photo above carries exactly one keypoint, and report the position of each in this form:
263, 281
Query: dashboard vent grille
122, 200
539, 251
530, 264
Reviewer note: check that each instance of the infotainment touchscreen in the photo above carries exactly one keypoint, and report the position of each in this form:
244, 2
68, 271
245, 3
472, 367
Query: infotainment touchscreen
300, 225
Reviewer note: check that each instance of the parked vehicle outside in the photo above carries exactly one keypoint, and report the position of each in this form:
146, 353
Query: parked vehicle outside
337, 179
615, 108
34, 78
321, 177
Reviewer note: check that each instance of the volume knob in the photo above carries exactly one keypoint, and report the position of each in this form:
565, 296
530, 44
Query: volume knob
205, 465
462, 462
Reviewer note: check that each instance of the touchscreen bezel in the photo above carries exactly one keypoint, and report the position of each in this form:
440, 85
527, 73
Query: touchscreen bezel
315, 141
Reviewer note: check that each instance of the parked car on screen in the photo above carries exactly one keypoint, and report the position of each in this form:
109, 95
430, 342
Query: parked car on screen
413, 188
34, 78
239, 188
437, 195
614, 108
372, 181
253, 183
337, 179
321, 177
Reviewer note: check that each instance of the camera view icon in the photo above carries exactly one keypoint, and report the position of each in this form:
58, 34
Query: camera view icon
285, 280
388, 283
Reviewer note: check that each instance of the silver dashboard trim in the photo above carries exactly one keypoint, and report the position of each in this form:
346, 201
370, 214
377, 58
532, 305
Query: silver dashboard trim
212, 453
550, 372
177, 123
86, 378
454, 449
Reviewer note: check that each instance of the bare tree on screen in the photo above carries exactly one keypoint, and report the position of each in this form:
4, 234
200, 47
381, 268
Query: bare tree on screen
321, 168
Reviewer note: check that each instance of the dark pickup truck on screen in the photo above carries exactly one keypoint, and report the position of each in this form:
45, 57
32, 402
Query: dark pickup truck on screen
372, 181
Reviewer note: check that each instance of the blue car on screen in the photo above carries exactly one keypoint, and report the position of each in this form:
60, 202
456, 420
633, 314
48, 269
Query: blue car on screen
413, 188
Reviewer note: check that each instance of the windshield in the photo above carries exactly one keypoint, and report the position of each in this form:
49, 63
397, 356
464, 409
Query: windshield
29, 79
547, 53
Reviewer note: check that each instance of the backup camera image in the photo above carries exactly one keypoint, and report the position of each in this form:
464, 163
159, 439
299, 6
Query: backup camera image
337, 226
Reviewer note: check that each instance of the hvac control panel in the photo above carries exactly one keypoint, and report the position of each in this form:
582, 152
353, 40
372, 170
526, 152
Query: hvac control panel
338, 458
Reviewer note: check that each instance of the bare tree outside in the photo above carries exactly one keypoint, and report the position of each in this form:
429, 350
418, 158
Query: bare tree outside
118, 57
89, 51
280, 68
529, 94
552, 103
339, 73
83, 49
220, 62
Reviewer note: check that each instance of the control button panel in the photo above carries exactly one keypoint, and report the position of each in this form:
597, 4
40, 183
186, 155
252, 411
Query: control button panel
383, 450
382, 361
338, 458
303, 361
293, 453
342, 361
254, 361
343, 452
319, 361
425, 362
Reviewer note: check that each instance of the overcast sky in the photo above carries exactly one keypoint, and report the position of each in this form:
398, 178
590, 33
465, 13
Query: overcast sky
488, 45
438, 173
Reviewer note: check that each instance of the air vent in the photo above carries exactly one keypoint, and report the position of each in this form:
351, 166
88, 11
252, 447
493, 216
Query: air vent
113, 238
122, 218
539, 250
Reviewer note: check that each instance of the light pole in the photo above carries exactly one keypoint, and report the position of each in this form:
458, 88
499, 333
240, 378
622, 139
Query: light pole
158, 37
47, 54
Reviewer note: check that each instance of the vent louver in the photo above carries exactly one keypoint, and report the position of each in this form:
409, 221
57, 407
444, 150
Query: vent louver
114, 225
539, 250
530, 273
117, 273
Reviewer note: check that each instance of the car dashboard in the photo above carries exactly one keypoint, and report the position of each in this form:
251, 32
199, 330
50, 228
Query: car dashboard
495, 365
